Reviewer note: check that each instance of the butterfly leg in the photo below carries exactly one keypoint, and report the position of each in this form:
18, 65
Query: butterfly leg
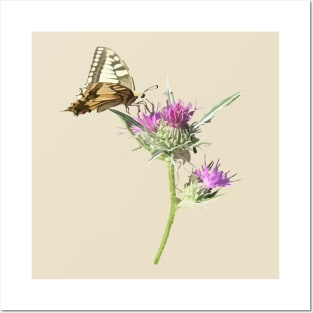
146, 105
127, 109
138, 108
150, 102
134, 105
81, 93
147, 109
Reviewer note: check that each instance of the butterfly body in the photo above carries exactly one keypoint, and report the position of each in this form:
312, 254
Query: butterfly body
109, 84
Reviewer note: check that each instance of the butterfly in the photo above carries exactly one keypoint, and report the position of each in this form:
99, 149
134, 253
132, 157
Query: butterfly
109, 84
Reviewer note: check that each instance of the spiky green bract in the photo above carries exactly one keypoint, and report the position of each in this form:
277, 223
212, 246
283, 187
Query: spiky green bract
167, 140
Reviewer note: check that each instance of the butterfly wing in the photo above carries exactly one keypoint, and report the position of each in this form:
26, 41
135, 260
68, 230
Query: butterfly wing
108, 67
102, 96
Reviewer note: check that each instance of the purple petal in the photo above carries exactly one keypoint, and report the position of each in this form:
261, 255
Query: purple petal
213, 178
177, 114
149, 122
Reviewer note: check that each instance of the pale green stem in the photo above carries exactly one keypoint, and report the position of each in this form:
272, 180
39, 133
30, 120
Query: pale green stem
171, 176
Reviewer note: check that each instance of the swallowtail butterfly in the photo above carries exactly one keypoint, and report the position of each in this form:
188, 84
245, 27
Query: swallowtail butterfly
108, 84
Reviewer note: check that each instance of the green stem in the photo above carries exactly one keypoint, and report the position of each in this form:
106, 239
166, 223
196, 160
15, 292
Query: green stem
171, 176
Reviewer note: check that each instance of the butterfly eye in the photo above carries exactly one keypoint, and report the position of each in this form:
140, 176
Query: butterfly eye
143, 95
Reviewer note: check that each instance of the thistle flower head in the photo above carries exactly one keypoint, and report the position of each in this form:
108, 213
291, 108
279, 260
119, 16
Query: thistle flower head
166, 131
212, 177
204, 184
177, 114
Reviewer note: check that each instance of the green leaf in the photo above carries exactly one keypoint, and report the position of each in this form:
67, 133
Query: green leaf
127, 119
187, 204
209, 115
157, 153
138, 148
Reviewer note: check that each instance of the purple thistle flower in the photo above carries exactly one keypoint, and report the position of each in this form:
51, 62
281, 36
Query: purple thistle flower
212, 178
149, 122
177, 114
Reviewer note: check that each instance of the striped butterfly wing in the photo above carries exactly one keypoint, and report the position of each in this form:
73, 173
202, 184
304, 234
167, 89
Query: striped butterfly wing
102, 96
108, 67
108, 84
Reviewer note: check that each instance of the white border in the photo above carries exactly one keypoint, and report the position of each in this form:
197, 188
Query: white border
19, 19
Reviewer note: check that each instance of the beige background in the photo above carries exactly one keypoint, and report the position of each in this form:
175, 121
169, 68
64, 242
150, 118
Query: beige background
99, 210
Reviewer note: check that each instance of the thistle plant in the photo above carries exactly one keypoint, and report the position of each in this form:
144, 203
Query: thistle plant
168, 134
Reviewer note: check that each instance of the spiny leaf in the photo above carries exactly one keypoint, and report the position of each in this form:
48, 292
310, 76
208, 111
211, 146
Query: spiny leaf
127, 119
157, 153
137, 148
209, 115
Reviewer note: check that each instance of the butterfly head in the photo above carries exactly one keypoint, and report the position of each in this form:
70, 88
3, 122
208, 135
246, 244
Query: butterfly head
78, 107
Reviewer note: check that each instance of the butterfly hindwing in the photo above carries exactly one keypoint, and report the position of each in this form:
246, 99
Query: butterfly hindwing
104, 96
120, 94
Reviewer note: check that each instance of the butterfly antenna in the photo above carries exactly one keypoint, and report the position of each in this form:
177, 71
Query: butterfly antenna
150, 88
147, 100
